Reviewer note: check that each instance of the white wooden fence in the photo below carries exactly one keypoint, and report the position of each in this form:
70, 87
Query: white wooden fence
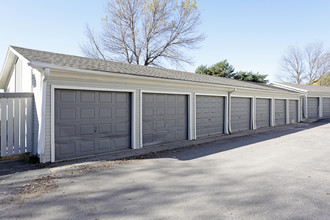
16, 124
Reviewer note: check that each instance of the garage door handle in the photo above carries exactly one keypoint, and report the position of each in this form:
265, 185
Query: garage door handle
165, 125
95, 129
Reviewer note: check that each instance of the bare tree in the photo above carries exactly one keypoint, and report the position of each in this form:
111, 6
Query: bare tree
146, 32
318, 61
292, 65
308, 65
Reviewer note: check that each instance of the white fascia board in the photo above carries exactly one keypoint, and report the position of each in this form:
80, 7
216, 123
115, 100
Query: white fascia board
41, 65
279, 85
7, 67
11, 57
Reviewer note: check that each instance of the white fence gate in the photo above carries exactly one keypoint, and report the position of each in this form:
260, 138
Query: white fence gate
16, 124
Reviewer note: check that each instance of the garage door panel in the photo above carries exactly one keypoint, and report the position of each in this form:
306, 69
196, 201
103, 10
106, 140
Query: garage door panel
293, 111
67, 131
107, 128
326, 107
87, 113
121, 142
240, 113
121, 112
104, 144
160, 124
170, 111
280, 112
148, 111
121, 98
87, 146
105, 97
66, 149
66, 96
312, 106
164, 116
209, 114
87, 129
121, 128
93, 115
105, 113
262, 112
67, 114
87, 97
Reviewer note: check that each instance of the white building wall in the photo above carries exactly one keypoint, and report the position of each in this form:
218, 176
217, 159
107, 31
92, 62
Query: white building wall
11, 85
26, 79
21, 78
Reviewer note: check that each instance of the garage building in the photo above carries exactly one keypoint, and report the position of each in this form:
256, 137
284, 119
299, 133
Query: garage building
314, 100
86, 106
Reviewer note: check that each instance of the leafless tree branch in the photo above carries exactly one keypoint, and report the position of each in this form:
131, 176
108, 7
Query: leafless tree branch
146, 32
292, 64
310, 64
317, 61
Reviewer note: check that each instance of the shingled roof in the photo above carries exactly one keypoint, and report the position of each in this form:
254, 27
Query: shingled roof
309, 88
83, 63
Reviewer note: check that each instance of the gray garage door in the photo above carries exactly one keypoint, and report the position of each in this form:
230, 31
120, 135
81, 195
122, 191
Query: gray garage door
313, 107
240, 113
293, 111
209, 115
326, 107
263, 113
90, 122
280, 112
165, 118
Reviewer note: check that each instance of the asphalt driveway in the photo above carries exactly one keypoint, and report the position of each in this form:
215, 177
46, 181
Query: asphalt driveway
281, 174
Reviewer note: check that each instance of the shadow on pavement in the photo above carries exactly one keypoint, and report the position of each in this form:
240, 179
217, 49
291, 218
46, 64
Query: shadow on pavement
180, 151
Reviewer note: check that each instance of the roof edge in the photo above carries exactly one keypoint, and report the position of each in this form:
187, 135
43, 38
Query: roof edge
42, 65
283, 86
10, 59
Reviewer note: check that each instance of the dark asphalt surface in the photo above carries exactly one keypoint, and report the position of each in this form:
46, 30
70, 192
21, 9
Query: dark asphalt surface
279, 174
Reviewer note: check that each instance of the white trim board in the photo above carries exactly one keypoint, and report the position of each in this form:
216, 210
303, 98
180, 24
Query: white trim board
126, 75
52, 130
260, 97
242, 96
211, 94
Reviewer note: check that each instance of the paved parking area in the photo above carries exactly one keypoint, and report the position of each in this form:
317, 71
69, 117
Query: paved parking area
280, 174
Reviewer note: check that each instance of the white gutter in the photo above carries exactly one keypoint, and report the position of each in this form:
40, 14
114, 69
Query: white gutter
42, 65
41, 135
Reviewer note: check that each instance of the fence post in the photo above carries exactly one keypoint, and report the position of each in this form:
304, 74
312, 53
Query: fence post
16, 126
10, 126
3, 127
29, 122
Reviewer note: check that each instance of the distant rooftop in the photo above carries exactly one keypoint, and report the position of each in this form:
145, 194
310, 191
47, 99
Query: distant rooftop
311, 88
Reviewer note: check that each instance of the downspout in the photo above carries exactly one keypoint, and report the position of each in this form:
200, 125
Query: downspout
229, 110
306, 105
301, 108
41, 138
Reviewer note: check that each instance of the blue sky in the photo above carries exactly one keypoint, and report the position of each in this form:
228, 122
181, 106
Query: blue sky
251, 35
